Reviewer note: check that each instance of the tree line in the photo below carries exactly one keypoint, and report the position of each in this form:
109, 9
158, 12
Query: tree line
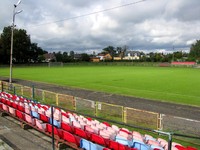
149, 57
25, 51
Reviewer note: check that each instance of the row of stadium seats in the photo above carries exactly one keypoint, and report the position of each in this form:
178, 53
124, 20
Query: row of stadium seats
86, 133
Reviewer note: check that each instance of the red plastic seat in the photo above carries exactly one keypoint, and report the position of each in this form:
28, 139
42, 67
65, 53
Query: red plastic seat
0, 99
15, 105
99, 140
131, 148
90, 119
44, 118
107, 124
117, 146
191, 148
20, 114
67, 127
81, 133
9, 103
14, 97
71, 138
124, 147
57, 131
21, 108
113, 145
179, 147
3, 100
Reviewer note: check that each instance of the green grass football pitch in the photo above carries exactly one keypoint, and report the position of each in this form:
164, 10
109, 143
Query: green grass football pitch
176, 85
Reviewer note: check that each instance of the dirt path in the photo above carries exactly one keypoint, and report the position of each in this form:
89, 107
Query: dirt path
184, 111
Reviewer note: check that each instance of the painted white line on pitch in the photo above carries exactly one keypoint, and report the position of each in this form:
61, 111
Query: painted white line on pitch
187, 119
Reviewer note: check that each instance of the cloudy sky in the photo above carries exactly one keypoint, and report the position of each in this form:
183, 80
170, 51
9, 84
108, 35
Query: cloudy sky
89, 25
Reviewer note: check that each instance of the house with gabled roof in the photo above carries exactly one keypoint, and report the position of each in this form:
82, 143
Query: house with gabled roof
104, 57
131, 55
49, 57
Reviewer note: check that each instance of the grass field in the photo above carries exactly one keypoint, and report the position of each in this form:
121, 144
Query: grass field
177, 85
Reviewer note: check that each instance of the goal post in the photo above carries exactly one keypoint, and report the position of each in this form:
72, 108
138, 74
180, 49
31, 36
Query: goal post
55, 64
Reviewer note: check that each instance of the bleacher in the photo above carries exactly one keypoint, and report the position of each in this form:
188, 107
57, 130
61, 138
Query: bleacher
186, 63
78, 131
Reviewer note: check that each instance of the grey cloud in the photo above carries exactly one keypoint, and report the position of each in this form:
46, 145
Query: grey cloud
150, 25
183, 10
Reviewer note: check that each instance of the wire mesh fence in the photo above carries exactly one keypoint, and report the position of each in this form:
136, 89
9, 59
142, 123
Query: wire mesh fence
109, 111
66, 101
39, 95
50, 97
141, 118
181, 125
85, 106
18, 89
7, 87
27, 92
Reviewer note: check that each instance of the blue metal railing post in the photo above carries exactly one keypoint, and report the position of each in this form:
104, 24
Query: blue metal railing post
53, 146
14, 90
33, 91
170, 142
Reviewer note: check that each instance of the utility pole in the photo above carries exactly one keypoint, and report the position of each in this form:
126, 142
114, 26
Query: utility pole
12, 30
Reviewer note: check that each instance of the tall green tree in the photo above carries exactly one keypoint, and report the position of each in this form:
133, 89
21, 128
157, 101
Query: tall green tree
5, 40
195, 50
36, 53
59, 56
23, 50
85, 57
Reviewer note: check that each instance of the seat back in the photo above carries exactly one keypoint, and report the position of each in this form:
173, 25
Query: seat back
81, 133
20, 114
44, 118
85, 144
140, 146
71, 138
98, 139
67, 127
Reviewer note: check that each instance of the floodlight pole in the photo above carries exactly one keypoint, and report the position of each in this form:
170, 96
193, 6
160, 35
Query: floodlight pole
12, 31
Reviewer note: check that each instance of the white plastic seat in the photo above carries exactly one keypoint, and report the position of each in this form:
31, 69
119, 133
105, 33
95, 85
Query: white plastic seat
76, 124
40, 125
12, 111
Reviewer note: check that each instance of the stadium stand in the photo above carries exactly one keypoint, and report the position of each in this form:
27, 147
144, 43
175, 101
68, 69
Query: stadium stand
187, 63
78, 131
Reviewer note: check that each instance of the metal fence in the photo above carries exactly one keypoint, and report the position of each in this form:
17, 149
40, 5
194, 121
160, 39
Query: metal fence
18, 89
110, 111
27, 91
85, 106
50, 97
142, 118
66, 101
38, 95
180, 125
5, 86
